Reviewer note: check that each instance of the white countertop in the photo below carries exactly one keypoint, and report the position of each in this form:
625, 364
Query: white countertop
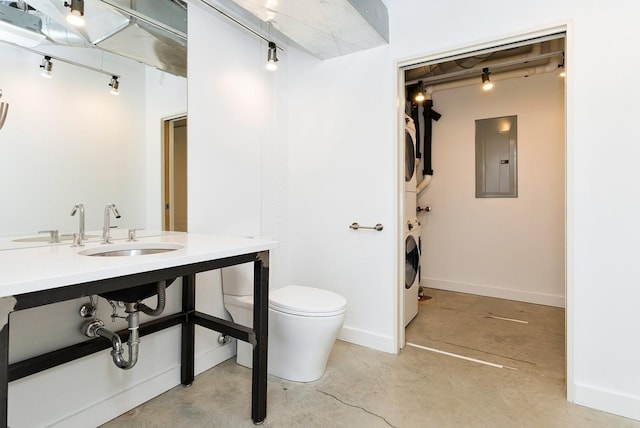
43, 268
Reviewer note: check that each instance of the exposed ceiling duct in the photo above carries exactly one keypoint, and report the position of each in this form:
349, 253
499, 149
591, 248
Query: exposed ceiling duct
542, 55
326, 28
153, 32
20, 27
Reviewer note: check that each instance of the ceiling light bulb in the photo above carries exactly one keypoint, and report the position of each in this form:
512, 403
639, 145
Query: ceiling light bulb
272, 57
561, 71
486, 82
271, 65
47, 67
76, 16
420, 97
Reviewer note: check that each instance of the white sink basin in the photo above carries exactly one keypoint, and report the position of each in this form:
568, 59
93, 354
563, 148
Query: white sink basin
131, 249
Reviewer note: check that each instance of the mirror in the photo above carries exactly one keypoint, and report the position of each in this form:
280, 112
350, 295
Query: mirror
67, 140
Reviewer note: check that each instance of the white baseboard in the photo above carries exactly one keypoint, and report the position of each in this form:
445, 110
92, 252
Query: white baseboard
500, 293
214, 356
103, 411
607, 401
368, 339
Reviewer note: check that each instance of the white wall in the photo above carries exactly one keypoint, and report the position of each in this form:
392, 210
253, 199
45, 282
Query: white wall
237, 154
509, 248
354, 104
342, 171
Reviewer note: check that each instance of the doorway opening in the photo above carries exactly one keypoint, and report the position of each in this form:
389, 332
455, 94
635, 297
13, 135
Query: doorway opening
174, 166
472, 248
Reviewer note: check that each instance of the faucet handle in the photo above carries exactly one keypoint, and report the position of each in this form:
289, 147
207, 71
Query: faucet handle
77, 240
54, 234
132, 234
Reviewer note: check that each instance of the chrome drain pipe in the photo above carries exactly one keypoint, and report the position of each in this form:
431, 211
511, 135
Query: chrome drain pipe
95, 328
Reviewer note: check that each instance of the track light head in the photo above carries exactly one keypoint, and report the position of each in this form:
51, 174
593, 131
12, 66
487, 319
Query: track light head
47, 67
420, 97
76, 14
272, 57
486, 82
561, 70
115, 85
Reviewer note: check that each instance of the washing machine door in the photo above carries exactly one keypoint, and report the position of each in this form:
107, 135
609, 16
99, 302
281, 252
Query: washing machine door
412, 261
409, 156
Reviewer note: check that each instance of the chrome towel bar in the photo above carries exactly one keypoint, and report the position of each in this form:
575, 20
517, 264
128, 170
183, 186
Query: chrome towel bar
356, 226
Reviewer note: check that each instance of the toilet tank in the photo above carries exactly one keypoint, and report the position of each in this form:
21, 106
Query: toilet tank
238, 280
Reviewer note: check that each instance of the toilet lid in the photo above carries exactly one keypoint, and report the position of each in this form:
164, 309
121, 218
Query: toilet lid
297, 300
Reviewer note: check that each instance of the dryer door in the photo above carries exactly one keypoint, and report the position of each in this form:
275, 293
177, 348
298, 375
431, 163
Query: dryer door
412, 261
409, 156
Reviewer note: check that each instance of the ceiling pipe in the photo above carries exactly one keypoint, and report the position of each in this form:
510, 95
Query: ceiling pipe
495, 77
490, 63
556, 48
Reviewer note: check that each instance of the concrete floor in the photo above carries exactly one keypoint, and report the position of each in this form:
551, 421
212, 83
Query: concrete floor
417, 388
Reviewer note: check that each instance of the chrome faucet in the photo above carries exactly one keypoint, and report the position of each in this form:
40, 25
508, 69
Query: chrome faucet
76, 208
106, 229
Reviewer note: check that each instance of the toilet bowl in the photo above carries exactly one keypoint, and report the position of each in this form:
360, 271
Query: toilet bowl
304, 323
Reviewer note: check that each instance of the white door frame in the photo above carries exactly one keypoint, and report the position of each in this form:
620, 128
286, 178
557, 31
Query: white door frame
400, 66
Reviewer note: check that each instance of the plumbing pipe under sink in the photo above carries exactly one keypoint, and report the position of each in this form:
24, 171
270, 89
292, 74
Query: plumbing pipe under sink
96, 328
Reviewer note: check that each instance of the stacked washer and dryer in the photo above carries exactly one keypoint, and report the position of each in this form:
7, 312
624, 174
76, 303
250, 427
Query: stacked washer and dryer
411, 224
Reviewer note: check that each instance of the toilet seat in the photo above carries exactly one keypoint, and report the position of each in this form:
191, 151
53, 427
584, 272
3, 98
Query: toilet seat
306, 301
297, 300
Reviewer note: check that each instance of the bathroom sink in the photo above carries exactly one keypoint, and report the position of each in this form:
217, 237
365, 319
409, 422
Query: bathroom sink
131, 249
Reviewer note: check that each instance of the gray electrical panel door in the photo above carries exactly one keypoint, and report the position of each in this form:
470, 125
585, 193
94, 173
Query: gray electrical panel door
496, 157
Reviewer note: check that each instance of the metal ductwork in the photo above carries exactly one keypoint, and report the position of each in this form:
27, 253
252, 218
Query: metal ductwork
18, 26
153, 32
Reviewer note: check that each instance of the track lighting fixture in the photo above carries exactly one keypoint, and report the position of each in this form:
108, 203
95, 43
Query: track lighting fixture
115, 85
486, 82
420, 95
76, 14
562, 72
46, 66
272, 57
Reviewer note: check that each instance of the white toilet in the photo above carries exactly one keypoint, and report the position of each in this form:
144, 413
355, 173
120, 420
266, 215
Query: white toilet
304, 323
